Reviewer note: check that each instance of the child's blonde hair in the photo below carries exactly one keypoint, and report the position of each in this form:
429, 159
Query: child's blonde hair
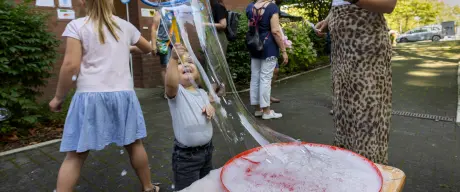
100, 12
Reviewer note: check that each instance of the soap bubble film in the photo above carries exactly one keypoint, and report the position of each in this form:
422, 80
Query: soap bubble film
239, 128
190, 27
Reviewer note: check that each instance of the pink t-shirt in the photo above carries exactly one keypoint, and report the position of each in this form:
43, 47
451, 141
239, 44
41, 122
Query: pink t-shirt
104, 67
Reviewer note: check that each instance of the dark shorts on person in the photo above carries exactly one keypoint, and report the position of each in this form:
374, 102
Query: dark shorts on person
164, 58
190, 163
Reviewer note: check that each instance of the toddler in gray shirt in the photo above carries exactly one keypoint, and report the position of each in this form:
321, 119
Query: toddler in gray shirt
191, 114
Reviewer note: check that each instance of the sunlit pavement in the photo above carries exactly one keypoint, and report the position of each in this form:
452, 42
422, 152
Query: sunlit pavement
424, 140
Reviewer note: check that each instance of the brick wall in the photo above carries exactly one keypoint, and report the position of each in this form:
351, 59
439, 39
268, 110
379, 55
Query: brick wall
145, 67
236, 4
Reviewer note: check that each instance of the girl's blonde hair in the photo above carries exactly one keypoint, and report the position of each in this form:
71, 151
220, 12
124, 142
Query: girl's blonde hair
100, 12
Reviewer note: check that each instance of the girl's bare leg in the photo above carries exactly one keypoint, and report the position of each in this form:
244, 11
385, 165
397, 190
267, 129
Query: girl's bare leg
140, 163
70, 171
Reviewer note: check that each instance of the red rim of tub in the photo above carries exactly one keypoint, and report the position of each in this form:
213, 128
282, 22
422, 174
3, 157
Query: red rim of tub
245, 153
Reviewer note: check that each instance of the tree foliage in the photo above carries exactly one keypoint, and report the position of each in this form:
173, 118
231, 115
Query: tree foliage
312, 10
409, 14
27, 54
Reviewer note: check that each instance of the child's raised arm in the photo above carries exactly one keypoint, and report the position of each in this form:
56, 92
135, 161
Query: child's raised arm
172, 71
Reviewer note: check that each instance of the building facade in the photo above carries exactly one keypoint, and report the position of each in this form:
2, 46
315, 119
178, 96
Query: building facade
146, 68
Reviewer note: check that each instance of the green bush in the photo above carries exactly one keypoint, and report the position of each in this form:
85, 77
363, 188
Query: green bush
26, 58
238, 58
302, 53
319, 43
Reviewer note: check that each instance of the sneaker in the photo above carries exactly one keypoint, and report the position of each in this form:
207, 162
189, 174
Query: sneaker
258, 113
272, 115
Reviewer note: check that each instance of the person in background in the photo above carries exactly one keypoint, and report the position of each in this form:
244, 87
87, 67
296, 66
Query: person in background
277, 68
220, 14
361, 75
161, 43
191, 113
105, 108
263, 62
275, 77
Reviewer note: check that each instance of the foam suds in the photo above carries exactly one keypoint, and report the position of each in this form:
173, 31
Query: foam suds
325, 170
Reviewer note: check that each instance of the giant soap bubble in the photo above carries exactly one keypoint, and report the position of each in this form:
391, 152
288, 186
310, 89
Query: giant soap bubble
190, 20
276, 161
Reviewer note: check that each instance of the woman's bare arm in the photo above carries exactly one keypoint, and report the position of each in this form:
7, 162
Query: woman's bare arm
222, 25
153, 34
379, 6
276, 31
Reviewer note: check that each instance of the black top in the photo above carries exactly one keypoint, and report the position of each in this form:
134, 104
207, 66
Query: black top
219, 12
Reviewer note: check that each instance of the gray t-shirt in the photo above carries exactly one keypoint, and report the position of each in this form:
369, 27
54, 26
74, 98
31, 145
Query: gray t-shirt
191, 127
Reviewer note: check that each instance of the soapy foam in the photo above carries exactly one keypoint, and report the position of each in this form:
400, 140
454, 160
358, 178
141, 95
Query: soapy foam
322, 170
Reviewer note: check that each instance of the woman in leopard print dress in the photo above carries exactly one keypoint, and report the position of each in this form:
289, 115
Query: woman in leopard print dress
361, 75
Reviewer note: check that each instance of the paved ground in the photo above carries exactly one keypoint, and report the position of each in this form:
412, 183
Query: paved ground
428, 150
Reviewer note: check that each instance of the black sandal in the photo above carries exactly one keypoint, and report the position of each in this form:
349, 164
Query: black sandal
156, 188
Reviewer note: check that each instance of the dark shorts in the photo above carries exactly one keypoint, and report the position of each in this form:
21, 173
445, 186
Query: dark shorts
190, 163
164, 58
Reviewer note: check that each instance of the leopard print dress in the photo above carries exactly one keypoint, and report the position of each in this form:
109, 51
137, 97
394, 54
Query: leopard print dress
362, 80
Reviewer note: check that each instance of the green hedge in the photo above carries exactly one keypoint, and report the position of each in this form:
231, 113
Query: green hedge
301, 56
26, 60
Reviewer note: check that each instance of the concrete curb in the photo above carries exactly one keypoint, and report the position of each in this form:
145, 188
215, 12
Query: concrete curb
458, 96
289, 77
26, 148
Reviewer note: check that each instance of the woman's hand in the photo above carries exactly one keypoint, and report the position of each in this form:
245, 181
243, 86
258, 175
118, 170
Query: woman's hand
285, 58
56, 104
209, 111
322, 28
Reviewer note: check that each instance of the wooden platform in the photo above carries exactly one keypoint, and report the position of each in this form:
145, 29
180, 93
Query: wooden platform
393, 178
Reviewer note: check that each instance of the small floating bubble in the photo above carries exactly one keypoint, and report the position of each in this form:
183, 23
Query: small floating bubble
123, 173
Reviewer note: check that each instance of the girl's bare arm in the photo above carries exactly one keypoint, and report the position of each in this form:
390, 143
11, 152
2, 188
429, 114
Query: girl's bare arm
70, 67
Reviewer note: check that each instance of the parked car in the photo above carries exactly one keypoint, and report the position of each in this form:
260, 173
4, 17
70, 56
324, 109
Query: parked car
433, 33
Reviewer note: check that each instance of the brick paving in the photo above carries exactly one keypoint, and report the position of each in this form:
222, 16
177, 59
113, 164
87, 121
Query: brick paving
428, 151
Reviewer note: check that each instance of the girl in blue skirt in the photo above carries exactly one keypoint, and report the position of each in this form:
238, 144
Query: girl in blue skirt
105, 108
